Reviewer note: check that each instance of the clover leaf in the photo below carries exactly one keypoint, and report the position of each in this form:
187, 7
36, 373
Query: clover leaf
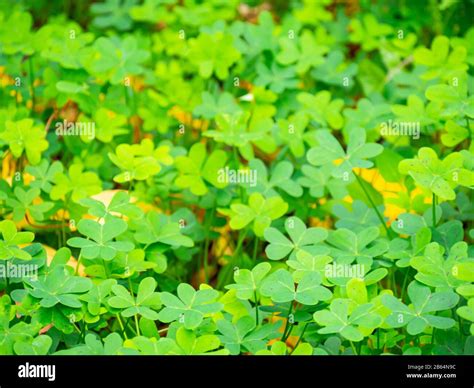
139, 161
260, 211
305, 51
455, 134
44, 174
191, 344
399, 248
161, 229
144, 303
280, 178
301, 238
306, 262
437, 271
107, 125
359, 217
23, 136
280, 287
277, 78
77, 183
23, 202
113, 13
321, 109
114, 59
368, 32
59, 287
334, 70
119, 204
190, 306
213, 53
212, 106
97, 296
439, 61
198, 168
243, 335
233, 130
418, 316
38, 346
248, 282
347, 246
10, 241
342, 318
441, 177
99, 242
321, 181
454, 100
329, 150
21, 41
110, 345
467, 312
291, 133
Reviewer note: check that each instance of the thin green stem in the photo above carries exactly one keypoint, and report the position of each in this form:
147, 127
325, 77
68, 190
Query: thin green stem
393, 284
75, 326
404, 284
382, 221
78, 263
433, 207
137, 326
256, 307
206, 246
121, 326
240, 242
32, 80
301, 337
130, 286
353, 348
106, 270
287, 321
255, 248
288, 333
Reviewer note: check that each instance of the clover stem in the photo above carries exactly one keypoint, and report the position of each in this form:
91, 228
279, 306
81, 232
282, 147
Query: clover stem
256, 306
405, 279
32, 80
393, 284
382, 221
75, 326
121, 326
301, 337
433, 207
137, 326
130, 326
106, 270
63, 226
206, 245
240, 241
288, 333
129, 285
78, 263
353, 348
283, 338
255, 247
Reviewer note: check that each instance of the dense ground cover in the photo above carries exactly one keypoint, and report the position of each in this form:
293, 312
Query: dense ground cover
187, 177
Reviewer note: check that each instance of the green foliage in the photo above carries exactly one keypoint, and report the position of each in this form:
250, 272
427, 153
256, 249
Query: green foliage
227, 178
